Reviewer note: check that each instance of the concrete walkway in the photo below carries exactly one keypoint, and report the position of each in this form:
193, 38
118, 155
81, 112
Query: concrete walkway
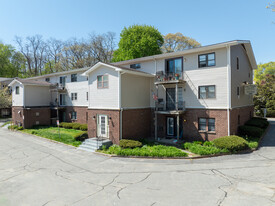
35, 171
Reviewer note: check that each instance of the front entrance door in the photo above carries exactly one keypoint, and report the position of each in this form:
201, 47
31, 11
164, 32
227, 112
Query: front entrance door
102, 126
170, 126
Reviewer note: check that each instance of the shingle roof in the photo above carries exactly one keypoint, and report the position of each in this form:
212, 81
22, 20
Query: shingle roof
33, 82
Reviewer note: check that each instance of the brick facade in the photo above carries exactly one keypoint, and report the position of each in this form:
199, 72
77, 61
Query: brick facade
113, 122
29, 117
136, 123
82, 114
245, 113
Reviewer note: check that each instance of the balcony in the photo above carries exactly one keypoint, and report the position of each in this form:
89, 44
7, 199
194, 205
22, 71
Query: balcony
58, 88
163, 107
168, 78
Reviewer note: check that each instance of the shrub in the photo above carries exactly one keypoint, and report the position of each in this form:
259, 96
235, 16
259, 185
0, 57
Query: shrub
76, 126
208, 144
270, 113
257, 122
67, 125
13, 127
127, 143
231, 143
207, 148
81, 136
250, 131
20, 128
34, 132
84, 127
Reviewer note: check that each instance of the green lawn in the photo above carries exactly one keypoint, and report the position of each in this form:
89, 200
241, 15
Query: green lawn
67, 136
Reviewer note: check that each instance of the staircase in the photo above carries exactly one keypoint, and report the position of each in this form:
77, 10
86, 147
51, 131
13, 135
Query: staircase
93, 144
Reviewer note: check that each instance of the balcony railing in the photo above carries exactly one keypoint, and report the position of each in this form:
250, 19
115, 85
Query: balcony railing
162, 78
164, 106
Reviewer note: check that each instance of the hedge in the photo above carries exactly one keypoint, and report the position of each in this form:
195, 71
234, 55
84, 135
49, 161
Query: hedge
270, 113
231, 143
257, 122
250, 131
78, 126
126, 143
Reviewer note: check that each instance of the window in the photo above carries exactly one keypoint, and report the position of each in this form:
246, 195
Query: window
62, 81
102, 81
73, 96
37, 122
211, 124
74, 115
17, 90
87, 116
37, 114
239, 119
135, 66
207, 60
47, 79
238, 63
238, 92
174, 66
202, 124
73, 77
87, 96
62, 99
207, 92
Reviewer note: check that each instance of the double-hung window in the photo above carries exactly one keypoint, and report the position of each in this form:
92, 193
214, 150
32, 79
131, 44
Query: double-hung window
207, 92
102, 81
47, 79
73, 77
74, 115
207, 60
207, 124
73, 96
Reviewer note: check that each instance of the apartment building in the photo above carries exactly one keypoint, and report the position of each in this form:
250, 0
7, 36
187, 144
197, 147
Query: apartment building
195, 94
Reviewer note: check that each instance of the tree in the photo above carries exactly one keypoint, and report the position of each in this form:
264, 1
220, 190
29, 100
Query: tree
12, 63
178, 42
138, 41
263, 70
5, 98
271, 6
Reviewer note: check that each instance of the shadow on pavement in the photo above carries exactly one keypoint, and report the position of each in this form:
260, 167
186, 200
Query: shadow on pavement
269, 138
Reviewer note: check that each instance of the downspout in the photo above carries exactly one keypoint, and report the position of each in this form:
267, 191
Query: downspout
228, 87
119, 105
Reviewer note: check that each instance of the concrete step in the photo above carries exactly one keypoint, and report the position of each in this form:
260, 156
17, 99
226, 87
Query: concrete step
92, 144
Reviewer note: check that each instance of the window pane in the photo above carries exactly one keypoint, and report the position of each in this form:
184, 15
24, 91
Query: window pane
202, 92
170, 66
211, 56
105, 78
105, 84
178, 64
202, 58
203, 64
211, 92
99, 78
202, 124
211, 62
99, 84
211, 124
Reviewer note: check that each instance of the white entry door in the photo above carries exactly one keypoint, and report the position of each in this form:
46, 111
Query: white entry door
102, 126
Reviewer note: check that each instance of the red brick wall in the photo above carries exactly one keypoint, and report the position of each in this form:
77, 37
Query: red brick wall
28, 118
81, 114
114, 123
245, 114
136, 123
189, 121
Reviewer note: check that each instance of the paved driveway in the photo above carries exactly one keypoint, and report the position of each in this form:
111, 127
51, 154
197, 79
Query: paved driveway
35, 171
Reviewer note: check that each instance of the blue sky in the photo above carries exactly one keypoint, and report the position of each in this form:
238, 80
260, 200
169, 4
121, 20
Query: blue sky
208, 22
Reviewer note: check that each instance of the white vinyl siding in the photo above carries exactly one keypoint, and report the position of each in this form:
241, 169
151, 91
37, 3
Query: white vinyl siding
37, 96
104, 98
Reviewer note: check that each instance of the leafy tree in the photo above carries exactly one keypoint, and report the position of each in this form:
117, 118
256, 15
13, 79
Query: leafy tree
263, 70
5, 98
138, 41
271, 6
265, 97
178, 42
11, 62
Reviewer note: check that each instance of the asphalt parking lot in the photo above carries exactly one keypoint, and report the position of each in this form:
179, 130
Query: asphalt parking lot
36, 171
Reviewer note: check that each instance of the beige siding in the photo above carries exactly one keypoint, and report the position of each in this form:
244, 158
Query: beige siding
240, 76
135, 91
17, 99
104, 98
37, 96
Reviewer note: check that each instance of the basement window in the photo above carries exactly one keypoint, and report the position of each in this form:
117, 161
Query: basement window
74, 115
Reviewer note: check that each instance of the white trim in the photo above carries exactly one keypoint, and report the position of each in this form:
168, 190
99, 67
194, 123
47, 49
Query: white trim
23, 93
104, 108
228, 88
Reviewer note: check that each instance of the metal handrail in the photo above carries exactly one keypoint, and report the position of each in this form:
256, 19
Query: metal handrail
171, 76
